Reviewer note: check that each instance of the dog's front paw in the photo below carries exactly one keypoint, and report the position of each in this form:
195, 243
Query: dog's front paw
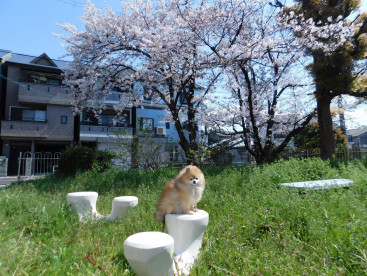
191, 213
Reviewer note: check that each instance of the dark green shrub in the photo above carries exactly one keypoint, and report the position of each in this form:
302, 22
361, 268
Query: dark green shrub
220, 153
364, 162
81, 158
103, 160
338, 162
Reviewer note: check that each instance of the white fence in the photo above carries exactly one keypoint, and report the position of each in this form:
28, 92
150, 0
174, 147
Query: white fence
42, 163
38, 163
349, 154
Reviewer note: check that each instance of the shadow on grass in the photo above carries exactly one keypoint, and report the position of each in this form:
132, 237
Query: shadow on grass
101, 182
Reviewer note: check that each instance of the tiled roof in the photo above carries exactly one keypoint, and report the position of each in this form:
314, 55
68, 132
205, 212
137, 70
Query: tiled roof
357, 132
26, 59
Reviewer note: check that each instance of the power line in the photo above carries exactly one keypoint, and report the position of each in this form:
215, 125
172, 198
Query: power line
73, 3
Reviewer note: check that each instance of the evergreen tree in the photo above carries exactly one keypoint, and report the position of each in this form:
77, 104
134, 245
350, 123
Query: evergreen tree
337, 73
309, 138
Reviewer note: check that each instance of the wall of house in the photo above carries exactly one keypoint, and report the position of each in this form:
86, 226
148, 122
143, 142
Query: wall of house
357, 141
171, 138
19, 135
14, 73
363, 140
158, 116
240, 156
30, 93
122, 149
57, 130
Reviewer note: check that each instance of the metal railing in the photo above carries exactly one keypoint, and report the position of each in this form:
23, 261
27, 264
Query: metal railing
348, 154
38, 163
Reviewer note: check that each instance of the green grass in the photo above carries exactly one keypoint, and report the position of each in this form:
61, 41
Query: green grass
255, 227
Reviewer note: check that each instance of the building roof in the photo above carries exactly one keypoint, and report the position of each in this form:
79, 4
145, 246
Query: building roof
357, 131
30, 60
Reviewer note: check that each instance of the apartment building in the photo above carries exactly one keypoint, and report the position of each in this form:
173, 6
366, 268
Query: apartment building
357, 138
36, 114
35, 109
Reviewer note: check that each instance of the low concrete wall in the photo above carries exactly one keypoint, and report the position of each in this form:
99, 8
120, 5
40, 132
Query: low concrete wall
3, 166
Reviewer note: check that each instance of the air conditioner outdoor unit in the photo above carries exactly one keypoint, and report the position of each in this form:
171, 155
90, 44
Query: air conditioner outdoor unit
160, 130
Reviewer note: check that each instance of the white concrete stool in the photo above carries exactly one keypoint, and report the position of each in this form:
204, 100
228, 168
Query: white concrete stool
120, 205
187, 232
150, 253
84, 204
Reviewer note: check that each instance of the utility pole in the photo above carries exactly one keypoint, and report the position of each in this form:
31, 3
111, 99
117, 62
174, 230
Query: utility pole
341, 115
76, 140
134, 144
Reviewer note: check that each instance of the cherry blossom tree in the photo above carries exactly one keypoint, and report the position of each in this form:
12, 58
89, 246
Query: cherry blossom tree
180, 49
264, 70
146, 46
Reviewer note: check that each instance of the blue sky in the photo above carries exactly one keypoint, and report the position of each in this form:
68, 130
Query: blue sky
28, 27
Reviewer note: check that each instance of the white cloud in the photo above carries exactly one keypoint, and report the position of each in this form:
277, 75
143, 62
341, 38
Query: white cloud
357, 117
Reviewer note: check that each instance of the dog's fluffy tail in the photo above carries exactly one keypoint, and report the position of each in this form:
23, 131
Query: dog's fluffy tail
161, 218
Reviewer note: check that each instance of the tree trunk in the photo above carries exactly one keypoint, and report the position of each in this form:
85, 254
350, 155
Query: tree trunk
327, 139
265, 158
341, 115
189, 146
185, 144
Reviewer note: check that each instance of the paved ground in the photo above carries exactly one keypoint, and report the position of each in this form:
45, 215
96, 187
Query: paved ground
6, 181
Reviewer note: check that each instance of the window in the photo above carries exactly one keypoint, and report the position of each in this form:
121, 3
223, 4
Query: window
185, 126
173, 154
16, 113
64, 119
112, 120
147, 94
54, 82
89, 119
106, 119
280, 135
44, 79
125, 118
34, 115
168, 126
242, 155
183, 98
363, 139
147, 124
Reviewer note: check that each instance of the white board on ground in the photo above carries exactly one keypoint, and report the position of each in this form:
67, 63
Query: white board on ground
319, 184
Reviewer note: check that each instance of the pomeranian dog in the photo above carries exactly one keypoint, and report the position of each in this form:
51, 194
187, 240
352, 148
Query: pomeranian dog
180, 195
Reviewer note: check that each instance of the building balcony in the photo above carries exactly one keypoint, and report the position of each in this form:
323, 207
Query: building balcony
21, 129
44, 94
104, 133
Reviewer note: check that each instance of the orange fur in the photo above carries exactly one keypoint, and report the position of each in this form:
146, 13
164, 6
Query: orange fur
180, 195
